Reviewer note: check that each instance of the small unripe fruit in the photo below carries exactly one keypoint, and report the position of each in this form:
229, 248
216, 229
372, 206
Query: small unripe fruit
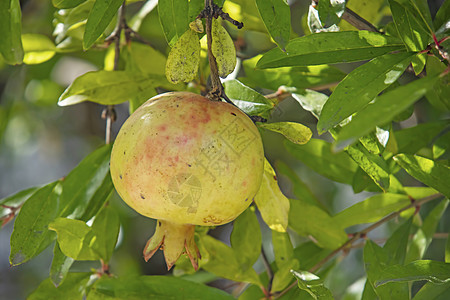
185, 160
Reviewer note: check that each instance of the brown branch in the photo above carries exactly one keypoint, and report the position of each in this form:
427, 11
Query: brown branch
109, 113
362, 234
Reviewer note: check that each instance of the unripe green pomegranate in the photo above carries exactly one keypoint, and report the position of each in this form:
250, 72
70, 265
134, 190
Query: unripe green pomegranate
185, 160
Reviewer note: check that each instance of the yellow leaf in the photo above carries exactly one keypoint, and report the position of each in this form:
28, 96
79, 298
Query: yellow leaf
222, 48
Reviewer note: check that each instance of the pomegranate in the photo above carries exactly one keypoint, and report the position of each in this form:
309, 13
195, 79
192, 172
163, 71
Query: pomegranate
185, 160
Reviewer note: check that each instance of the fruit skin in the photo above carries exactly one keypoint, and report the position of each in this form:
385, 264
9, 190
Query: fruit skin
185, 160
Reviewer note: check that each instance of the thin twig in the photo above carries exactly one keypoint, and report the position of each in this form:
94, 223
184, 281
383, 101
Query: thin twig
363, 233
268, 269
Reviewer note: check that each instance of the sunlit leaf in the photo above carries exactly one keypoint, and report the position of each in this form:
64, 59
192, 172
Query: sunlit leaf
222, 47
276, 16
173, 16
60, 266
184, 58
10, 23
433, 174
294, 132
247, 99
433, 271
330, 47
38, 48
313, 285
272, 204
330, 12
360, 87
99, 18
384, 109
66, 3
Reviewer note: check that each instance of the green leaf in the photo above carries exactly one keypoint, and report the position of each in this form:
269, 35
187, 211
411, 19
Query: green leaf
424, 235
433, 174
276, 16
282, 247
433, 271
330, 13
110, 87
318, 155
31, 235
397, 243
251, 293
310, 254
313, 285
438, 95
60, 266
298, 77
247, 99
360, 87
330, 47
66, 3
221, 260
106, 230
153, 287
371, 209
246, 238
75, 239
412, 31
73, 288
15, 200
294, 132
99, 18
310, 220
384, 109
283, 276
38, 48
410, 140
222, 47
10, 23
184, 58
143, 58
173, 15
272, 204
441, 145
311, 101
374, 165
442, 15
433, 291
83, 186
299, 188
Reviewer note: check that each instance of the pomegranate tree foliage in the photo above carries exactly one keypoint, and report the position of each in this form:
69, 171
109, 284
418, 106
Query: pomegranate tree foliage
359, 141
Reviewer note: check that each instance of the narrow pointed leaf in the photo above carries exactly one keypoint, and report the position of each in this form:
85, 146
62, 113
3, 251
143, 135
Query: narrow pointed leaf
374, 165
184, 58
106, 229
31, 235
246, 238
330, 47
298, 77
282, 247
222, 47
221, 261
313, 285
360, 87
272, 204
99, 18
310, 220
75, 239
433, 291
60, 266
111, 87
442, 15
433, 271
295, 132
433, 174
247, 99
371, 209
276, 16
385, 108
173, 16
83, 183
318, 155
10, 23
73, 288
15, 200
66, 3
330, 12
153, 287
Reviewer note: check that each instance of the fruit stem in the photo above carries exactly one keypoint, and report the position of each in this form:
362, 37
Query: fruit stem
174, 239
